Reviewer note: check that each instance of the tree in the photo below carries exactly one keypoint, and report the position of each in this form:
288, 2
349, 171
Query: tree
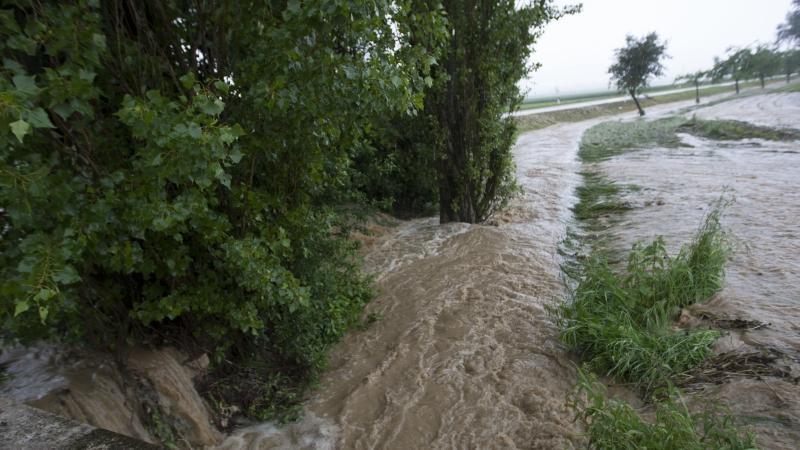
791, 62
737, 66
789, 31
636, 63
489, 42
696, 79
764, 62
175, 171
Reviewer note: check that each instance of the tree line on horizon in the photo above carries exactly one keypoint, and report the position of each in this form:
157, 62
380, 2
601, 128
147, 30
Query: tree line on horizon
642, 58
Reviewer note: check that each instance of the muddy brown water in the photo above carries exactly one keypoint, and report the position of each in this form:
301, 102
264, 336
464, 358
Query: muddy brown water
464, 354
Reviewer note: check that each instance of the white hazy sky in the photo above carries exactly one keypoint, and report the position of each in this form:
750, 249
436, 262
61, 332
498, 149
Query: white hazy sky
575, 52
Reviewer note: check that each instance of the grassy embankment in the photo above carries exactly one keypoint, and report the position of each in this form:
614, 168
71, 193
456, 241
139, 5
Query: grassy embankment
538, 121
621, 321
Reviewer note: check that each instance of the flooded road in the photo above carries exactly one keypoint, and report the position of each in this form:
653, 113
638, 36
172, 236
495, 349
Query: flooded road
763, 179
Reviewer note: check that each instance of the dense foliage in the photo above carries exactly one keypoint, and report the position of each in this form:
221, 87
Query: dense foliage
640, 59
174, 169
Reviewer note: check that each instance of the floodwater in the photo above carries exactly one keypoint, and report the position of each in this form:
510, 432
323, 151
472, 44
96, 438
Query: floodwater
464, 354
763, 179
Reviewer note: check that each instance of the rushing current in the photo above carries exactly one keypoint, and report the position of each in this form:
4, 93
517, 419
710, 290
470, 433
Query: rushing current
464, 353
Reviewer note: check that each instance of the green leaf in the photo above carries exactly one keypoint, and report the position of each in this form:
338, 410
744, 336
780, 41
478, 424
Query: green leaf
25, 84
21, 307
20, 128
188, 80
67, 275
99, 40
221, 86
43, 313
236, 155
38, 118
45, 294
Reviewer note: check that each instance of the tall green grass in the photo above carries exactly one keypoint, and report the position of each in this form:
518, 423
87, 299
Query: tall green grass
620, 322
614, 424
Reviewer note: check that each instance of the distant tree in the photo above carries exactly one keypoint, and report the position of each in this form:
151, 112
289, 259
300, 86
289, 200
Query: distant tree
636, 63
696, 79
791, 62
737, 66
764, 62
789, 31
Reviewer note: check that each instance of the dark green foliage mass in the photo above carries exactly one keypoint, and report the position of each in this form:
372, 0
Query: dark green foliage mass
173, 170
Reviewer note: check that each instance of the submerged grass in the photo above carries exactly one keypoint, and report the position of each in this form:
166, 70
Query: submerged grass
620, 323
614, 424
734, 130
598, 196
610, 139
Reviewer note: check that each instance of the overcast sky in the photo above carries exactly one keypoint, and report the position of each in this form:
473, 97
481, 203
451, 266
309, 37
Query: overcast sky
575, 52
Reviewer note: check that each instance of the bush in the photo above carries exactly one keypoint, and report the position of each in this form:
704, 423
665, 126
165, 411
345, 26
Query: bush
614, 424
173, 173
620, 323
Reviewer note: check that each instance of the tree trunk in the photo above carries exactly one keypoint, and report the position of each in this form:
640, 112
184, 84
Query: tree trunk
761, 78
788, 77
737, 87
636, 100
697, 92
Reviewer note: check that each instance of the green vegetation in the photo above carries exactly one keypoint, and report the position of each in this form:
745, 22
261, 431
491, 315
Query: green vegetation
189, 175
620, 323
614, 424
595, 196
468, 108
636, 63
615, 138
542, 120
734, 130
610, 139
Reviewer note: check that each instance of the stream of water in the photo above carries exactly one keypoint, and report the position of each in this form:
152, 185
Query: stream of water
464, 353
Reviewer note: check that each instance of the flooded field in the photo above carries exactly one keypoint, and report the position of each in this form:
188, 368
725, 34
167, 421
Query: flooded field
761, 177
464, 354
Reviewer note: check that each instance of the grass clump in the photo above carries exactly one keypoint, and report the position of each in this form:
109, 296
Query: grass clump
598, 196
614, 424
609, 139
620, 323
734, 130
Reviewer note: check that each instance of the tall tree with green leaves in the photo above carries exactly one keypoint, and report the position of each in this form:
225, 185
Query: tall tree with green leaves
489, 42
640, 59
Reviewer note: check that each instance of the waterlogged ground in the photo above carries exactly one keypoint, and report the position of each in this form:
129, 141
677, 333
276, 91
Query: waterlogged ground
764, 221
464, 354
